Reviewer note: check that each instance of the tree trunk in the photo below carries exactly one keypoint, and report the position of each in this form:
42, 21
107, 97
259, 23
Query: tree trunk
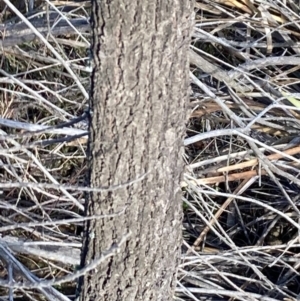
139, 92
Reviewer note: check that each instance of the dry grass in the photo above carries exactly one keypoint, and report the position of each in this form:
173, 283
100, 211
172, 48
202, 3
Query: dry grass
44, 87
241, 188
241, 224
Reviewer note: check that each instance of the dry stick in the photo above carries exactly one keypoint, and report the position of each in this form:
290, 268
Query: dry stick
229, 156
203, 35
231, 44
46, 284
49, 292
61, 222
37, 128
216, 72
64, 253
229, 178
69, 140
241, 175
265, 62
239, 190
250, 163
209, 107
253, 162
222, 292
10, 185
16, 34
82, 138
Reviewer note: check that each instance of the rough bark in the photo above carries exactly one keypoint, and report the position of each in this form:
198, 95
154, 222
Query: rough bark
139, 92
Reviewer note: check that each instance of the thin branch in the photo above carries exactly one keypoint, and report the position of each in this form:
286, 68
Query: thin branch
64, 254
37, 129
8, 185
19, 33
112, 251
49, 292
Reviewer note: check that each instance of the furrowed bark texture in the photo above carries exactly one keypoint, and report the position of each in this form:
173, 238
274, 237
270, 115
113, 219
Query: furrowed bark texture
139, 91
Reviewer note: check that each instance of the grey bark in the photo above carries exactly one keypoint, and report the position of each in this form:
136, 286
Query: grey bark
139, 92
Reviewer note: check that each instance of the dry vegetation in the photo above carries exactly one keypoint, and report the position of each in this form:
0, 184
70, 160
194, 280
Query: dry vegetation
44, 89
241, 186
